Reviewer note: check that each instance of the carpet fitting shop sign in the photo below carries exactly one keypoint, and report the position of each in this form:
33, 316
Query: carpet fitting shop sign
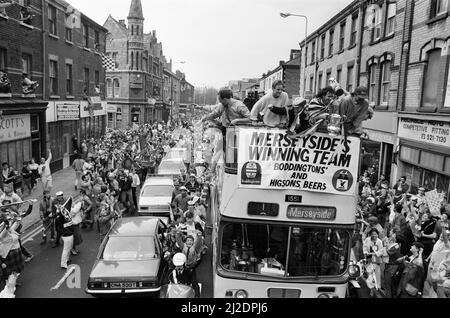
268, 159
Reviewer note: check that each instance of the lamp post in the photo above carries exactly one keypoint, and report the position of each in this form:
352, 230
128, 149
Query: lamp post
286, 15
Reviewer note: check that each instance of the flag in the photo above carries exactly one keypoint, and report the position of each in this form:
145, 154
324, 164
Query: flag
108, 63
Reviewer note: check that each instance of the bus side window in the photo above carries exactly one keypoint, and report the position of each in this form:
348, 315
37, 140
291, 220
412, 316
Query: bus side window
231, 160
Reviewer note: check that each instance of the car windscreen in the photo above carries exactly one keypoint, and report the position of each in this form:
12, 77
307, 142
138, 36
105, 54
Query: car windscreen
121, 248
171, 166
157, 191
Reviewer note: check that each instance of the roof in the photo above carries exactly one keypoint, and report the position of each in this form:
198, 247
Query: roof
135, 226
158, 181
136, 10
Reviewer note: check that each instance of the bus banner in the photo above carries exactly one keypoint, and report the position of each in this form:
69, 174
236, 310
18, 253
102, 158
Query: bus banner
269, 159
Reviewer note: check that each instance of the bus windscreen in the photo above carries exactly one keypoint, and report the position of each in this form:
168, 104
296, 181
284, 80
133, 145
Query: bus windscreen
284, 250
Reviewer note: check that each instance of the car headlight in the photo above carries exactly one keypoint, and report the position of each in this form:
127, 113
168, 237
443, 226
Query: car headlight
323, 296
241, 294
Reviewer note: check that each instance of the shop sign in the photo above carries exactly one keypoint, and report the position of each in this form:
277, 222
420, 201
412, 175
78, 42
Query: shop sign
381, 137
67, 111
430, 132
14, 127
269, 159
111, 108
94, 107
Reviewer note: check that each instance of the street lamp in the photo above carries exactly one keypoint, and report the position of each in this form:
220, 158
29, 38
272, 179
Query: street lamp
286, 15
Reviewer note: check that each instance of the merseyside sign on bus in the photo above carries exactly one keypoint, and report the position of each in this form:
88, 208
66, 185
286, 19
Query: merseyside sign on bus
269, 159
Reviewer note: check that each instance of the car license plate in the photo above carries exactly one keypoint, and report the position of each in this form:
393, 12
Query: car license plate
123, 285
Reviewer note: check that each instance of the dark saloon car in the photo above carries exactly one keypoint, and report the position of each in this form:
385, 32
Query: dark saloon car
130, 259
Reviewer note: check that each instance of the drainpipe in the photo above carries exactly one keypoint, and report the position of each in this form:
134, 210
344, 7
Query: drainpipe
360, 44
44, 86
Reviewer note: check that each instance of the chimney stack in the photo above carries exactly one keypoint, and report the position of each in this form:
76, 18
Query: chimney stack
122, 22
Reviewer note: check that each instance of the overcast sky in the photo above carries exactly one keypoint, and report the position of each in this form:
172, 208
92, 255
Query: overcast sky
222, 40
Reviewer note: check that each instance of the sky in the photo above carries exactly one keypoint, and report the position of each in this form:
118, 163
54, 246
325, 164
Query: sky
222, 40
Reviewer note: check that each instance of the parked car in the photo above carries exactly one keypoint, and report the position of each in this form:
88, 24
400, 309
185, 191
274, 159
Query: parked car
130, 259
156, 198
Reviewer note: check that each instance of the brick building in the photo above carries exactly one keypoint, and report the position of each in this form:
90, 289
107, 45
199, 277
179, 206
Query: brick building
424, 99
74, 80
22, 110
288, 72
332, 51
400, 51
135, 86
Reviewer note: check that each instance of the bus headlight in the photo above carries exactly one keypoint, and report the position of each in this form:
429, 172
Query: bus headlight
241, 294
323, 296
353, 271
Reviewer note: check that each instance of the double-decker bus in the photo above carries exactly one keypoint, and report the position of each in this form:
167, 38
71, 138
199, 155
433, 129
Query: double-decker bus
283, 213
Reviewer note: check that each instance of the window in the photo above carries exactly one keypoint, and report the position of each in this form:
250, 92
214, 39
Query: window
304, 87
313, 52
69, 81
350, 79
119, 114
97, 78
339, 76
331, 45
97, 40
322, 48
385, 81
376, 26
137, 60
438, 7
132, 60
328, 77
145, 64
132, 29
311, 83
431, 79
342, 37
52, 20
372, 84
26, 64
69, 35
3, 63
390, 22
116, 88
354, 30
86, 81
86, 35
53, 77
306, 56
114, 58
319, 83
109, 88
137, 29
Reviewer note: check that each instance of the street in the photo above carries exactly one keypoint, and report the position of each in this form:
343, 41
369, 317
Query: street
44, 272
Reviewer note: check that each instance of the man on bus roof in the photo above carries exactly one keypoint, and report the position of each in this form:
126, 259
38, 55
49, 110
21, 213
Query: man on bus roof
230, 110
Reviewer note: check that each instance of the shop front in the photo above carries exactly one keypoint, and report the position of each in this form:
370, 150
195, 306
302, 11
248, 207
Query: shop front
424, 155
63, 118
21, 124
92, 119
378, 150
111, 112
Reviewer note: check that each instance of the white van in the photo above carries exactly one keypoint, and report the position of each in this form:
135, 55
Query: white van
156, 198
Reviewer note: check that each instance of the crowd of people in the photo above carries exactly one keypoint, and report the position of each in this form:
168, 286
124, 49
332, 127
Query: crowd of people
405, 242
108, 172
